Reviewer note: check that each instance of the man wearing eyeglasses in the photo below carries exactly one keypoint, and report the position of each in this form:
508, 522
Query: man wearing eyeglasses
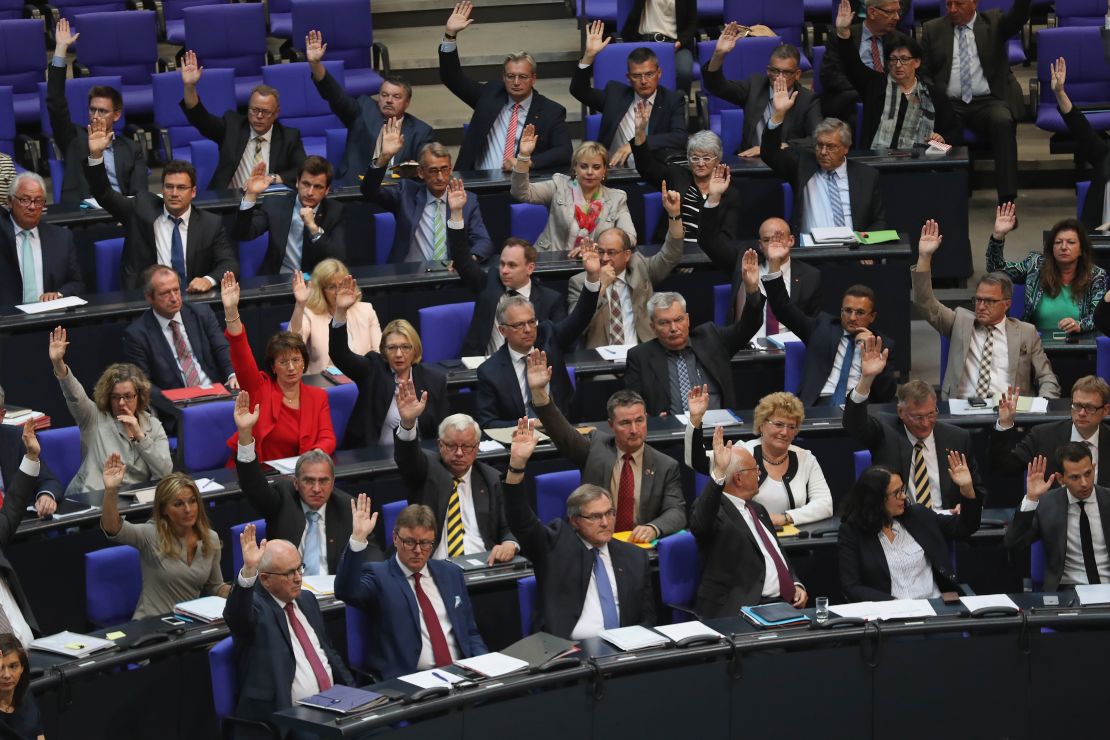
38, 261
244, 139
869, 40
618, 102
988, 350
125, 159
913, 443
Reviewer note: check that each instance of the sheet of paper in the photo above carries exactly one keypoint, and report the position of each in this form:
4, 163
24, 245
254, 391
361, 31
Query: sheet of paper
431, 679
490, 445
285, 465
960, 407
615, 352
321, 585
90, 202
207, 485
987, 600
632, 638
683, 630
70, 301
897, 609
472, 363
833, 234
20, 419
1032, 405
504, 435
492, 664
1098, 593
884, 236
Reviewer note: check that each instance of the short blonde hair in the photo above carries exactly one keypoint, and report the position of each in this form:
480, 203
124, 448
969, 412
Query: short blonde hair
780, 402
122, 372
325, 272
590, 149
406, 330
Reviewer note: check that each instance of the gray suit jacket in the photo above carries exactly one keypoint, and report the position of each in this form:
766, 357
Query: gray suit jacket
1026, 355
662, 504
1049, 523
558, 195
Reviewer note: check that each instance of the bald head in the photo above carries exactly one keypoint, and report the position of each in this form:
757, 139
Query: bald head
280, 570
775, 233
741, 477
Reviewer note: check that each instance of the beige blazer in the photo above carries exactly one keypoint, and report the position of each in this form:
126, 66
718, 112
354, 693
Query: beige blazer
557, 194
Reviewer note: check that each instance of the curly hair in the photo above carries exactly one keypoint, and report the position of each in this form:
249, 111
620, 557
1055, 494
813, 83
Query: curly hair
121, 372
167, 488
1050, 273
782, 403
865, 506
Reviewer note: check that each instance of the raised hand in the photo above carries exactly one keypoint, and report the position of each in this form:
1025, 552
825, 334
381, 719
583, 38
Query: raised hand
362, 520
190, 69
314, 47
1007, 406
672, 200
258, 181
749, 268
100, 136
114, 470
726, 42
719, 182
456, 195
594, 41
63, 37
252, 551
300, 288
698, 402
460, 18
1005, 220
346, 293
872, 356
1059, 70
539, 374
643, 117
229, 293
960, 473
57, 348
524, 442
1035, 483
409, 405
245, 416
31, 440
844, 19
782, 99
930, 239
591, 261
392, 138
722, 452
528, 140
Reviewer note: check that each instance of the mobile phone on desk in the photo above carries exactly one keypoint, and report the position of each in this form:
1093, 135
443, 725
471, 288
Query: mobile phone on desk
977, 402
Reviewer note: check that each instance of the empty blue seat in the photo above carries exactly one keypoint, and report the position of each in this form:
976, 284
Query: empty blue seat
722, 308
229, 35
679, 574
861, 459
389, 516
653, 214
236, 550
527, 599
203, 434
61, 451
22, 51
251, 255
123, 43
113, 582
385, 227
552, 491
443, 328
349, 32
341, 401
301, 105
108, 253
225, 690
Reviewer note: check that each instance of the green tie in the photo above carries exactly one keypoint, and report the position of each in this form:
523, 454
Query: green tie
439, 236
30, 279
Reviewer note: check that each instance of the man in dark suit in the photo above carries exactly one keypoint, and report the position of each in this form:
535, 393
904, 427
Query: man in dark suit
420, 207
965, 54
742, 564
869, 39
420, 607
153, 225
913, 444
38, 261
588, 581
363, 116
125, 159
244, 139
305, 228
48, 491
20, 489
308, 510
281, 643
670, 21
666, 130
663, 369
754, 93
1011, 452
464, 495
1063, 517
501, 111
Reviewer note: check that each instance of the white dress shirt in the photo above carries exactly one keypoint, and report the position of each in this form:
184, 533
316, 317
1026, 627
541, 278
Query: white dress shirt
428, 586
911, 574
495, 142
36, 252
167, 333
659, 16
771, 587
979, 84
520, 367
838, 362
1074, 569
932, 467
591, 622
1000, 361
1091, 442
627, 128
815, 200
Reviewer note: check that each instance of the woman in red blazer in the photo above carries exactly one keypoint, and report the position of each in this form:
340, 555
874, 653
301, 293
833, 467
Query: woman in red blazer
294, 417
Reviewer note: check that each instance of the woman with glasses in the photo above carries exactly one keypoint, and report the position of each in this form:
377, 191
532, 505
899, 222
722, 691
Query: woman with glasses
315, 306
294, 417
377, 375
178, 552
893, 548
116, 419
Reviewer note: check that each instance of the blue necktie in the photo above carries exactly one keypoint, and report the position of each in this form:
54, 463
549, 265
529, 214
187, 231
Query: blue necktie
294, 245
177, 250
965, 64
605, 593
832, 188
312, 544
841, 389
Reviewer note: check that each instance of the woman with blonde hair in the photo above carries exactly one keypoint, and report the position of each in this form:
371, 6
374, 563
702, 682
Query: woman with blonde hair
315, 306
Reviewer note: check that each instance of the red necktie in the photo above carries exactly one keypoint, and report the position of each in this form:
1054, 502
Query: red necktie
323, 680
188, 367
626, 497
786, 582
441, 654
772, 322
510, 133
876, 58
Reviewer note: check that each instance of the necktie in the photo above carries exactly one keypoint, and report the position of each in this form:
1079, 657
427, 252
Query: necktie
5, 623
876, 57
312, 544
323, 680
965, 63
832, 191
983, 385
921, 475
30, 277
1087, 544
626, 497
439, 234
441, 654
616, 316
455, 528
177, 249
683, 380
184, 357
251, 157
786, 581
841, 389
510, 133
609, 613
294, 243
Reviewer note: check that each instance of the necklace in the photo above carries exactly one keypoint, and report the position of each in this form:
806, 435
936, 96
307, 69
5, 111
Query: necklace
780, 461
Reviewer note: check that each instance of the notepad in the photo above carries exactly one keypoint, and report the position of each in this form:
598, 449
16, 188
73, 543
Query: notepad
627, 537
319, 585
1089, 594
987, 601
781, 339
70, 301
472, 362
492, 665
832, 235
684, 630
204, 609
883, 236
196, 393
285, 465
773, 615
73, 644
633, 638
431, 679
614, 352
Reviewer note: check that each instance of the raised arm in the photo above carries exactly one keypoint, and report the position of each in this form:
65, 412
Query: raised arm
57, 107
573, 446
939, 316
580, 85
450, 69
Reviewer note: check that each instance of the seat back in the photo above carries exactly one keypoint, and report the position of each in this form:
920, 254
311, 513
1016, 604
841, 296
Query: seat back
225, 683
679, 572
701, 480
301, 106
722, 308
72, 9
113, 580
229, 36
1081, 13
784, 17
108, 254
123, 43
1017, 302
1081, 189
527, 220
750, 56
385, 229
861, 459
341, 400
732, 130
653, 213
233, 543
22, 51
203, 434
345, 24
7, 120
1088, 73
1102, 361
795, 366
612, 63
61, 451
251, 254
216, 88
552, 492
614, 12
443, 328
390, 512
593, 126
527, 599
359, 646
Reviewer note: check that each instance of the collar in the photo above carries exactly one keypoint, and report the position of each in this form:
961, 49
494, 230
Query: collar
676, 353
306, 508
267, 133
637, 456
650, 100
930, 442
164, 322
431, 198
16, 228
866, 35
281, 604
524, 290
525, 104
971, 23
841, 171
408, 573
1092, 440
184, 216
603, 548
515, 356
1093, 498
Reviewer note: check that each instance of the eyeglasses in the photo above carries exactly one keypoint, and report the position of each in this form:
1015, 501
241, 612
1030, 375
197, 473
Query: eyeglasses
599, 516
411, 543
169, 187
391, 348
609, 253
1086, 408
900, 493
458, 447
831, 147
290, 362
261, 112
776, 72
99, 112
518, 77
435, 171
642, 76
922, 418
777, 238
890, 12
292, 573
522, 325
782, 425
856, 312
29, 202
745, 470
125, 397
988, 302
899, 61
703, 160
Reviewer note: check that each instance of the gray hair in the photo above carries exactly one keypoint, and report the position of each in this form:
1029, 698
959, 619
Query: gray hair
511, 301
460, 423
834, 126
311, 458
915, 392
270, 553
521, 56
666, 299
704, 141
621, 399
583, 495
27, 175
1002, 280
434, 149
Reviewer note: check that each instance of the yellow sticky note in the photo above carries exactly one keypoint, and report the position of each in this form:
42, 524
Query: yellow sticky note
115, 635
74, 646
788, 530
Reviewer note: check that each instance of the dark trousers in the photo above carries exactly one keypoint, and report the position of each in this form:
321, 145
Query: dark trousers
991, 119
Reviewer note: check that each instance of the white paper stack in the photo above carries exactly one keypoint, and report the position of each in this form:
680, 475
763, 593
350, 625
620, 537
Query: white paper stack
205, 609
1098, 593
320, 585
633, 638
492, 665
880, 610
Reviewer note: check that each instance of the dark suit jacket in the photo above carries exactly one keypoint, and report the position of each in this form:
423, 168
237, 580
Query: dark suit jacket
488, 99
885, 436
488, 290
832, 73
232, 132
499, 401
992, 30
264, 649
208, 252
1011, 452
752, 95
864, 573
732, 565
19, 492
406, 199
11, 455
563, 566
821, 335
73, 141
60, 271
376, 388
797, 166
275, 215
279, 502
382, 591
429, 483
666, 127
144, 344
686, 17
363, 120
1049, 523
1095, 150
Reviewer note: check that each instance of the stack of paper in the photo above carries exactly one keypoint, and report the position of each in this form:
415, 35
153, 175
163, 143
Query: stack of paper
70, 301
320, 586
72, 644
17, 417
833, 235
633, 638
492, 665
615, 352
196, 393
879, 610
285, 465
472, 363
987, 601
684, 630
1089, 595
204, 609
504, 435
431, 679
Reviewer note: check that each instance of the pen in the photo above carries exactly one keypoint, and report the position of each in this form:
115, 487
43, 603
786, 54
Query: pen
441, 677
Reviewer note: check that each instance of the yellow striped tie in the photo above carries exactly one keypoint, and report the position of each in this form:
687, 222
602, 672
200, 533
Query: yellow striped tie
921, 476
455, 528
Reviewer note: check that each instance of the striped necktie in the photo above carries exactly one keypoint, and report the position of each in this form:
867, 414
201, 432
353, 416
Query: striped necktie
921, 475
965, 63
455, 528
983, 385
439, 233
832, 190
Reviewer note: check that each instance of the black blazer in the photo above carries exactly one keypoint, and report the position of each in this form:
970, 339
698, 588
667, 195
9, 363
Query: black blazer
686, 17
279, 502
864, 573
11, 455
364, 120
499, 401
60, 271
232, 132
144, 344
1094, 149
821, 335
275, 215
208, 252
487, 99
1049, 523
488, 290
885, 436
752, 95
73, 142
373, 376
732, 565
666, 127
19, 491
832, 73
563, 566
797, 166
1011, 452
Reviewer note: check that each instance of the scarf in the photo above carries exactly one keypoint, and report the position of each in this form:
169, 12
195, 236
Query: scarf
916, 126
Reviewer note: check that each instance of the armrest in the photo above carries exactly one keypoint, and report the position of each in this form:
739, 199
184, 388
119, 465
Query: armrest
260, 726
807, 39
159, 15
380, 56
31, 148
702, 105
167, 64
167, 148
1052, 21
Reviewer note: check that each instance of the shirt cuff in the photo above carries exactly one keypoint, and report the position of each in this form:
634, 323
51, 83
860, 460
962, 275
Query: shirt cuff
719, 481
245, 453
29, 466
772, 124
1028, 505
58, 61
406, 435
593, 287
448, 46
355, 546
998, 427
858, 397
454, 224
246, 205
245, 582
587, 66
93, 162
